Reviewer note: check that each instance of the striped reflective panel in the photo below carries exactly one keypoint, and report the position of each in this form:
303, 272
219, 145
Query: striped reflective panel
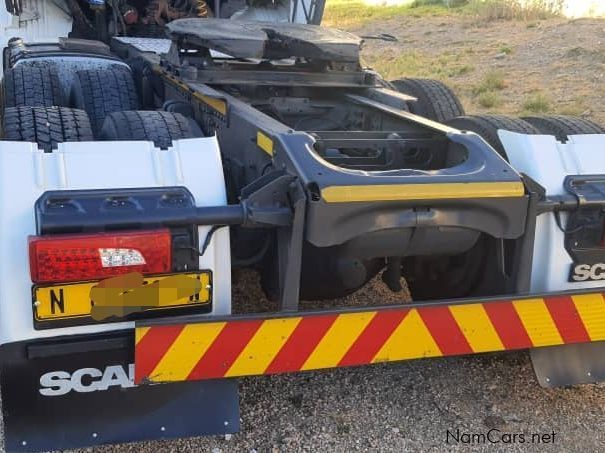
244, 347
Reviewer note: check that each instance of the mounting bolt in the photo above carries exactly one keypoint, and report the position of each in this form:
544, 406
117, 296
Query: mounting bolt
37, 303
547, 379
588, 374
208, 286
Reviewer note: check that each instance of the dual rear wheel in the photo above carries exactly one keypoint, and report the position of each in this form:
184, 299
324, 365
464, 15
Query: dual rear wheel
562, 127
102, 105
436, 101
462, 275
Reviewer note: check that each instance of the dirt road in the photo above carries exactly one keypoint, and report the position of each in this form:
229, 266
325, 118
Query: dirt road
408, 407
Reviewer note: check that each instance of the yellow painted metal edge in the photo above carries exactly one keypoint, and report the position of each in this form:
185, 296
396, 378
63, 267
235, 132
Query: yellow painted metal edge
402, 192
264, 143
215, 103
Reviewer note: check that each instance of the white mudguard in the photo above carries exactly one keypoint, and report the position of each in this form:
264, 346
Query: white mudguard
548, 162
27, 172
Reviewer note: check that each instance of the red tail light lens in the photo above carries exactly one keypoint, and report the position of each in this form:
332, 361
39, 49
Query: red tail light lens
64, 258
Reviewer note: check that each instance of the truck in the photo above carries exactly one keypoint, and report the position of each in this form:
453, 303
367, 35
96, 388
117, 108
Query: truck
148, 149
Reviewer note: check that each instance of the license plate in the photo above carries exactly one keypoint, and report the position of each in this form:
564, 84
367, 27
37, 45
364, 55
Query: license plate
70, 304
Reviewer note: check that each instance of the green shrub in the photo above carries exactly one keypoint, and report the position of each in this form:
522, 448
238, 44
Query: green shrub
493, 81
537, 103
489, 100
418, 3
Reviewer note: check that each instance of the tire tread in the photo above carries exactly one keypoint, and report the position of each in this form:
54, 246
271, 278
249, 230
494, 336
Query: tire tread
157, 126
33, 86
487, 127
103, 91
436, 100
46, 126
563, 126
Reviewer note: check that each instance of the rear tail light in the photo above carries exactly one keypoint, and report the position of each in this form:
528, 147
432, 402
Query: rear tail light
63, 258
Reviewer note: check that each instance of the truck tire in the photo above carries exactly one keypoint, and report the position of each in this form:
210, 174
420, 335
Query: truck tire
436, 100
487, 126
46, 126
461, 275
446, 277
155, 126
102, 91
564, 126
32, 86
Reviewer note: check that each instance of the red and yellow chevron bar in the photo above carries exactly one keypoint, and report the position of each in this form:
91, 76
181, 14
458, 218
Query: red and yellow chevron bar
242, 347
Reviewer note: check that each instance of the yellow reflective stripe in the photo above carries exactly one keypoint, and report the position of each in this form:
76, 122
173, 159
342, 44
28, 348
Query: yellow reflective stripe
591, 308
399, 192
186, 351
264, 143
263, 347
337, 340
410, 340
537, 322
139, 333
476, 327
217, 104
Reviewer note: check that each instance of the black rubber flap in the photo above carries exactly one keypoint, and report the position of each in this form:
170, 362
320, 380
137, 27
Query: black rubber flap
570, 364
85, 397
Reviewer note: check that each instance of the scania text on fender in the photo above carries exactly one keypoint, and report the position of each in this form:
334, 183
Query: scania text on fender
86, 380
587, 272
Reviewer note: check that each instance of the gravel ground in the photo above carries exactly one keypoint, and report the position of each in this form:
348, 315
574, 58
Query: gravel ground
406, 407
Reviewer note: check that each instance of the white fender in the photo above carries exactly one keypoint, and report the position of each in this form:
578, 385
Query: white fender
548, 162
26, 172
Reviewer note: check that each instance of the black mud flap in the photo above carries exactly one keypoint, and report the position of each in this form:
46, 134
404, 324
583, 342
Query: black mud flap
571, 364
75, 393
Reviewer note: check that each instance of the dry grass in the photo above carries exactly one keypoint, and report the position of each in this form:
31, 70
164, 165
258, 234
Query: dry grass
393, 64
510, 67
574, 107
492, 81
354, 13
488, 10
